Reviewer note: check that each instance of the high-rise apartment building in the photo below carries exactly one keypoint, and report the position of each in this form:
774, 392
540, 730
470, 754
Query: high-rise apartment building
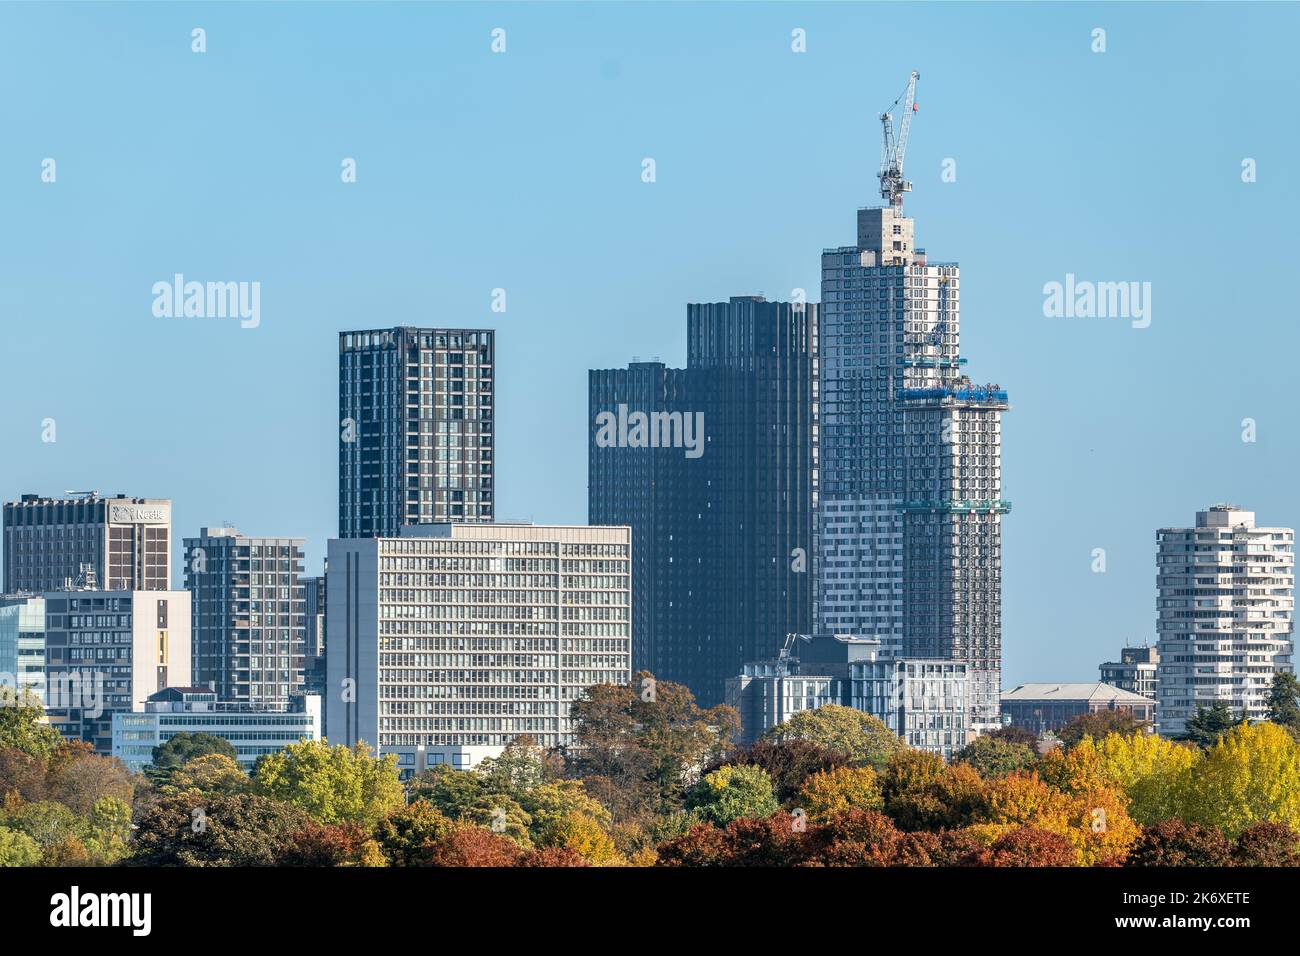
416, 428
249, 624
722, 521
85, 540
911, 504
1135, 671
1224, 615
106, 652
470, 635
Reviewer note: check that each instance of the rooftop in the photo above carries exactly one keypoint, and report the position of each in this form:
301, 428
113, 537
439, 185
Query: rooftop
1095, 691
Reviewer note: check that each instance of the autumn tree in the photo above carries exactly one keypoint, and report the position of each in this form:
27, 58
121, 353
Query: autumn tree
1174, 842
995, 756
334, 784
789, 763
639, 747
827, 793
1029, 846
1267, 844
859, 737
1101, 723
474, 846
920, 792
1150, 770
1252, 775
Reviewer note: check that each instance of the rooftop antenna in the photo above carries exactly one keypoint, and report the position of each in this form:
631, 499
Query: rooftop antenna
892, 183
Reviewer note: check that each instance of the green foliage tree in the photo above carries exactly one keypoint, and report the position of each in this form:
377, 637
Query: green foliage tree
334, 784
1208, 724
242, 829
20, 726
406, 835
181, 749
49, 825
209, 774
859, 737
1284, 701
996, 757
18, 849
730, 793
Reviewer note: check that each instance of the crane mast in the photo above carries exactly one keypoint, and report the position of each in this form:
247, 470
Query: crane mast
892, 183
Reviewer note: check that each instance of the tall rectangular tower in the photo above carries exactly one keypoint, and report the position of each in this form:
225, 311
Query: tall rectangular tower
724, 530
470, 635
910, 502
249, 621
416, 428
1224, 615
86, 540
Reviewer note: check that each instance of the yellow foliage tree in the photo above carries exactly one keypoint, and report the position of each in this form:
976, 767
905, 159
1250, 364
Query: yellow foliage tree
1151, 772
829, 792
1094, 820
1252, 775
585, 836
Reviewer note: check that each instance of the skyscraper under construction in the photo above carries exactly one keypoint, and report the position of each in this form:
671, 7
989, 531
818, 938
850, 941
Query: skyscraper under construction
911, 503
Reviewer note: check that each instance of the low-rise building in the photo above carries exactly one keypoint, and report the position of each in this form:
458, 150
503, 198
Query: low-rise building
1135, 671
1044, 707
252, 729
926, 702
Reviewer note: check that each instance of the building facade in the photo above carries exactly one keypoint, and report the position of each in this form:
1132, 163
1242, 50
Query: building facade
85, 540
22, 642
925, 702
722, 530
416, 428
249, 624
313, 668
252, 730
1044, 707
1224, 615
470, 635
106, 652
910, 505
1135, 671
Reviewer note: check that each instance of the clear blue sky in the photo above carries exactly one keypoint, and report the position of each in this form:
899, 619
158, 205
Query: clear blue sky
522, 171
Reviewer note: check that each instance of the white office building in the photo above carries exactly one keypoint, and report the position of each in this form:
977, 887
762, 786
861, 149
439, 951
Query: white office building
252, 729
455, 636
1224, 614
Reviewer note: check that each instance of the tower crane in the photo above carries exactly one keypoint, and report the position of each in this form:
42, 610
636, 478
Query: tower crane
892, 183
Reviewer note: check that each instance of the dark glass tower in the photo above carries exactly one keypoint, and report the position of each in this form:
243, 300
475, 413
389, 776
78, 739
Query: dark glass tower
416, 428
722, 543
